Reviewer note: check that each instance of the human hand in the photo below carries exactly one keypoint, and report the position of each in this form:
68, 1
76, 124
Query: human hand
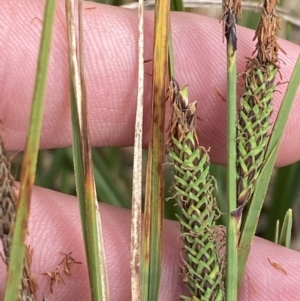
111, 76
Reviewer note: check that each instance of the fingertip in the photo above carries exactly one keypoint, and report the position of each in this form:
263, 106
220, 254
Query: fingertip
272, 271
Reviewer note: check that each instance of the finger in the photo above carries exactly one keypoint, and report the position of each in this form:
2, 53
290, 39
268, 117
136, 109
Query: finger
111, 75
55, 227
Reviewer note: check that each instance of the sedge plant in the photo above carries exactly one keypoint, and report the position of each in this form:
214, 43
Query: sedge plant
195, 189
251, 156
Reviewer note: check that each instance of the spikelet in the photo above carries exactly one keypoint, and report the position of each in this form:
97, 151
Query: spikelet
256, 107
202, 266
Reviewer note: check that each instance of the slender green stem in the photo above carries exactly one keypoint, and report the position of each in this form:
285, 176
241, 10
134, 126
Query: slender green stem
30, 158
231, 10
232, 225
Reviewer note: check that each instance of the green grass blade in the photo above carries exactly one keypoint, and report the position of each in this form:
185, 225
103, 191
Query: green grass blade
105, 178
285, 108
177, 5
109, 164
154, 201
90, 218
249, 227
283, 196
30, 158
220, 173
286, 230
58, 174
106, 191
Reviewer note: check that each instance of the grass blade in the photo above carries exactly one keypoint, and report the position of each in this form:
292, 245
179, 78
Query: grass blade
30, 159
286, 230
277, 232
107, 173
136, 220
177, 5
153, 218
90, 217
283, 196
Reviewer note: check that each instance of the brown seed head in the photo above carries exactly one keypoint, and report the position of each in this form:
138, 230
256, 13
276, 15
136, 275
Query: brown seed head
267, 47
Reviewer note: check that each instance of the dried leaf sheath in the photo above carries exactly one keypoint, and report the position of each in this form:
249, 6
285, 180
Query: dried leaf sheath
8, 206
202, 265
256, 108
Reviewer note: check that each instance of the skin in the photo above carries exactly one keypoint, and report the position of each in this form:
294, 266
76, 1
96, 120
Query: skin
111, 76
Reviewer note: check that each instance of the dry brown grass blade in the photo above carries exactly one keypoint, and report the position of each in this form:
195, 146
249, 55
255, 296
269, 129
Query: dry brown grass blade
136, 229
154, 202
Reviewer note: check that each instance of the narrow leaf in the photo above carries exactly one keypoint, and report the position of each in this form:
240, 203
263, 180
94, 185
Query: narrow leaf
136, 230
30, 159
286, 230
153, 217
283, 196
85, 184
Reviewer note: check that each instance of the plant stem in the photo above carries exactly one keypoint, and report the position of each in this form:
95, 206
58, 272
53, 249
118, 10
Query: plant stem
84, 175
231, 10
18, 250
